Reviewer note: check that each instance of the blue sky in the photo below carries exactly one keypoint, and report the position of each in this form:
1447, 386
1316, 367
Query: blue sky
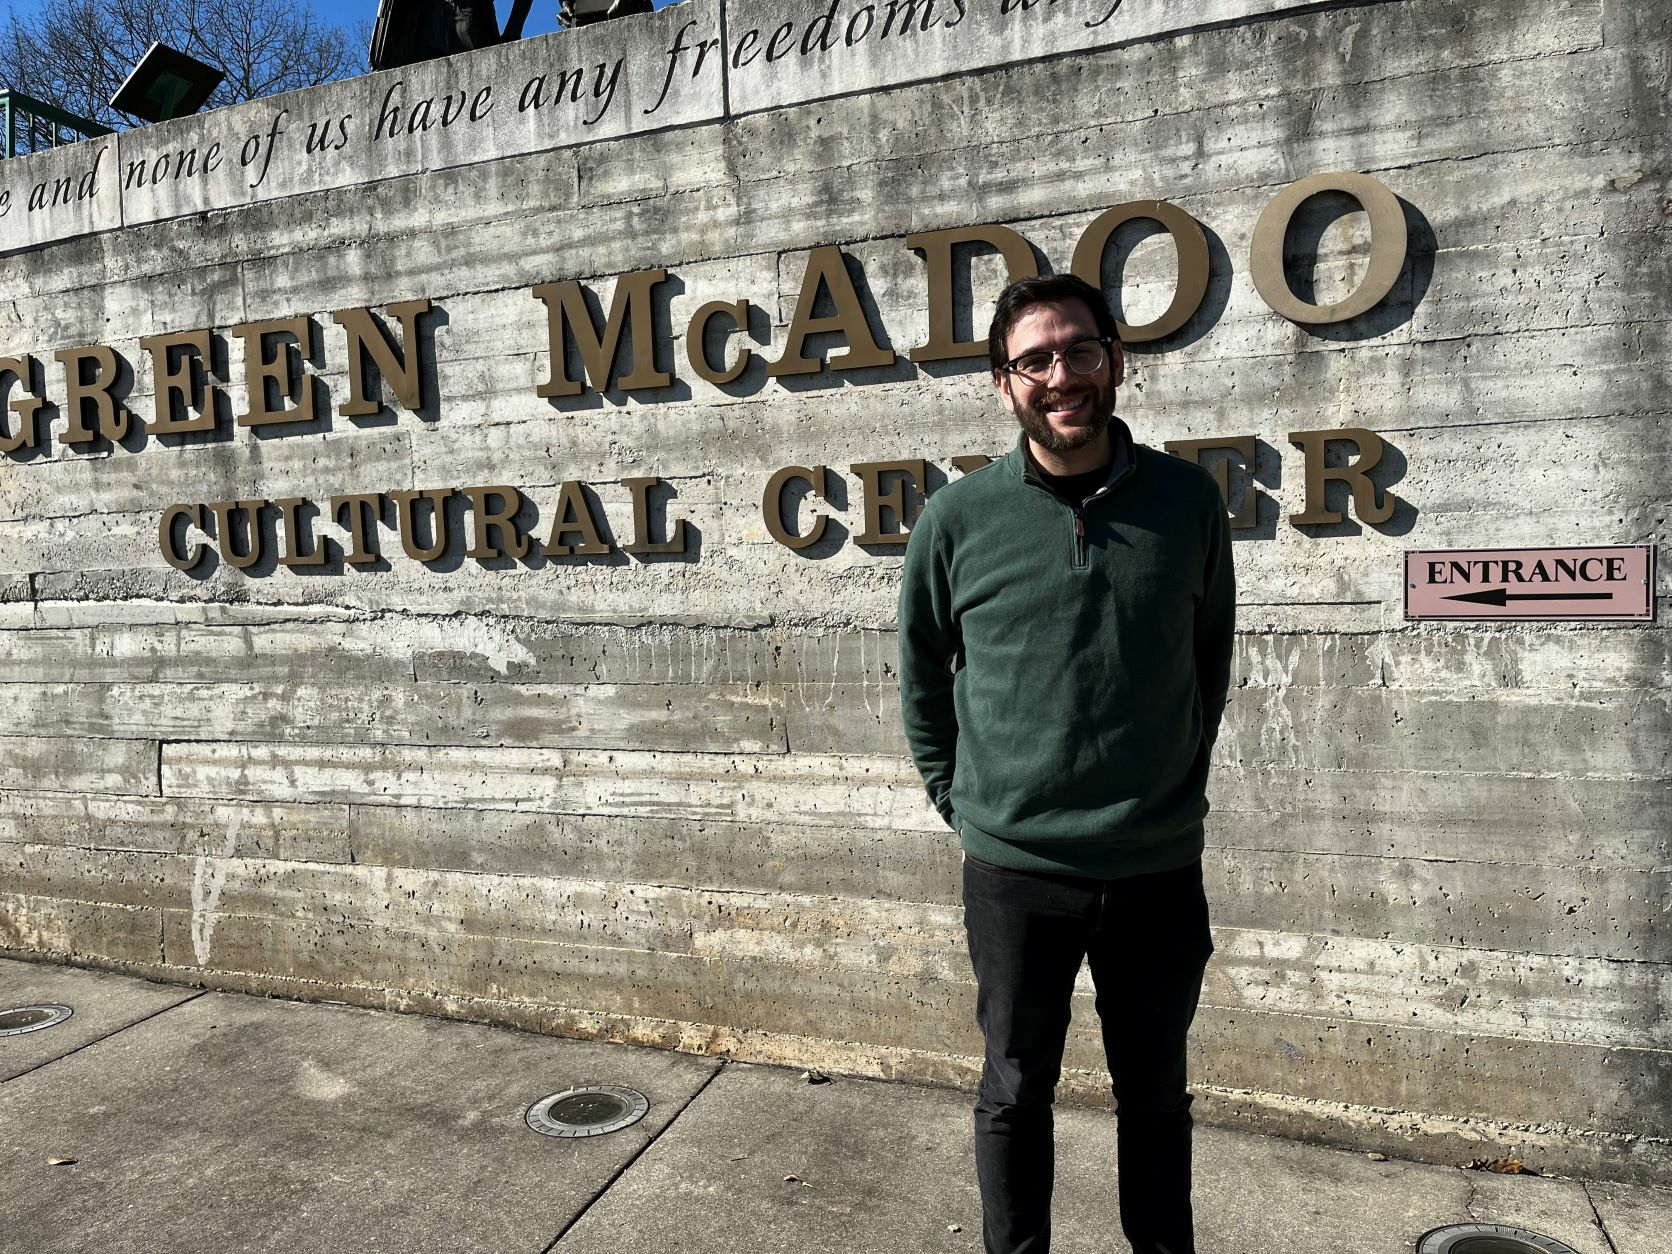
542, 18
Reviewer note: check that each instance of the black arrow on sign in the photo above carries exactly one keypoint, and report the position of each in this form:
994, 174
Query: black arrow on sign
1503, 596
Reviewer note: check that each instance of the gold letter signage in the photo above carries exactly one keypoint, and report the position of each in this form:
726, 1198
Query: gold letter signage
382, 358
1192, 248
1387, 248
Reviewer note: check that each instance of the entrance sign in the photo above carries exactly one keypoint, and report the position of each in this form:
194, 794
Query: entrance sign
1599, 582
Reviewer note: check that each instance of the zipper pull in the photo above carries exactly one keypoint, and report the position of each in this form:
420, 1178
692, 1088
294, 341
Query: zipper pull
1079, 525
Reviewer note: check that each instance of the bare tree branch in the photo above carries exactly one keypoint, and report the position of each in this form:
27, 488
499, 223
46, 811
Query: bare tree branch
75, 53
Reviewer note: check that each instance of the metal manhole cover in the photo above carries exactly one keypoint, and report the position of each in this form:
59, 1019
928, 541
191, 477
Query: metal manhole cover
22, 1019
1489, 1239
590, 1111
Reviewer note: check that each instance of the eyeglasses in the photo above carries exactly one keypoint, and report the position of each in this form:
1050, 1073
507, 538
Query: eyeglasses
1082, 357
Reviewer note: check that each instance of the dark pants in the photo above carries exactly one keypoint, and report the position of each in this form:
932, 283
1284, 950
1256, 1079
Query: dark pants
1147, 941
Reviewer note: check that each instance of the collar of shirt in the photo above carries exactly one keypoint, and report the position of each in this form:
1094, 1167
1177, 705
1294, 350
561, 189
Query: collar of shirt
1122, 464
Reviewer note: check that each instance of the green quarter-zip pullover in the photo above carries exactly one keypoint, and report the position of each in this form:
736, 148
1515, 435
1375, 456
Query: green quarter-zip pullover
1064, 666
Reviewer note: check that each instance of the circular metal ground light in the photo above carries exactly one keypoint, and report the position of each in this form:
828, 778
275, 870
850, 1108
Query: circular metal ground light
590, 1111
20, 1019
1489, 1239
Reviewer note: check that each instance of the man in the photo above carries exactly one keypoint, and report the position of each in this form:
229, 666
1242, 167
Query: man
1065, 651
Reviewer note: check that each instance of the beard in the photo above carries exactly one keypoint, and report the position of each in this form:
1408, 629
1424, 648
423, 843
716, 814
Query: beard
1036, 422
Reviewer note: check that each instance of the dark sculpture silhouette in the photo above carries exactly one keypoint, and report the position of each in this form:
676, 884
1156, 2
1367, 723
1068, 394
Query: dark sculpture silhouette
573, 13
420, 30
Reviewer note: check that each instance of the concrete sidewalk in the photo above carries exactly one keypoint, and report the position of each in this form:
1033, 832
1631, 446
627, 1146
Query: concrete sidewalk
202, 1121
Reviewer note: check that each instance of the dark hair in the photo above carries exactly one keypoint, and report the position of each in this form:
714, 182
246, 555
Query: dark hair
1023, 294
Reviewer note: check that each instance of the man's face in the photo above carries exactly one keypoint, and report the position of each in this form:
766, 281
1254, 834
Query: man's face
1062, 411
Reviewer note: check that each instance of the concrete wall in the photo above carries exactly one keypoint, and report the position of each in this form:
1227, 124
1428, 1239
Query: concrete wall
665, 799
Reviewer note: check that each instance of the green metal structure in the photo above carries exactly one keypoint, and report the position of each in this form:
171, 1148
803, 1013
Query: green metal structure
29, 125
